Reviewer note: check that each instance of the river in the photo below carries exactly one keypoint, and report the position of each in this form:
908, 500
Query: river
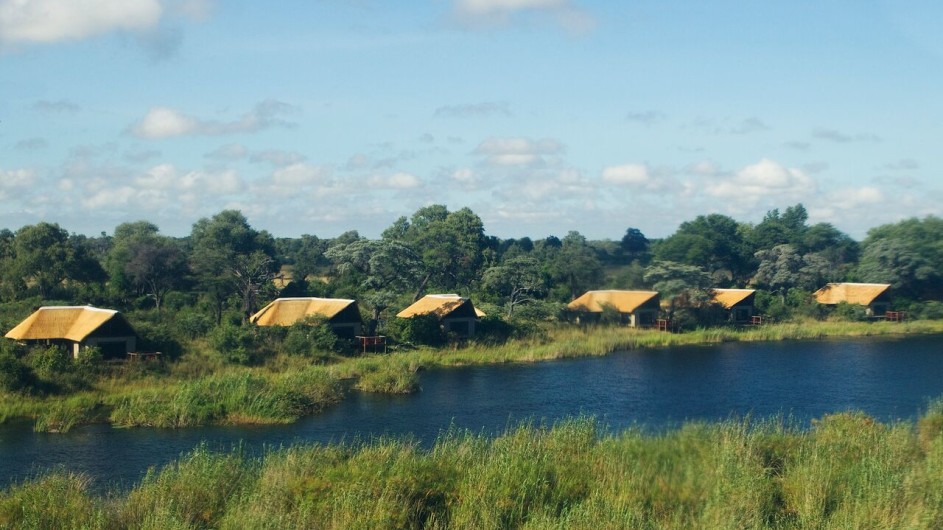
888, 378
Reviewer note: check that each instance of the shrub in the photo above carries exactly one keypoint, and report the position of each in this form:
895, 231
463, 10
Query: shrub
49, 362
420, 329
850, 312
14, 375
236, 344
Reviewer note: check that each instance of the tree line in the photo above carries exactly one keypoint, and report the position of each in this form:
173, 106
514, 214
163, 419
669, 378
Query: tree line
226, 269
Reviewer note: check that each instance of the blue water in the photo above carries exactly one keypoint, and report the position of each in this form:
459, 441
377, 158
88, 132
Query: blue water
888, 378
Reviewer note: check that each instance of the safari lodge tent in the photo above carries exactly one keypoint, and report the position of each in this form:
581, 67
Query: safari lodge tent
343, 316
76, 327
456, 314
635, 308
738, 303
875, 297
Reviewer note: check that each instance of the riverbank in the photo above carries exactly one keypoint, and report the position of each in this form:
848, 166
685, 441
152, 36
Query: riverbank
199, 390
848, 471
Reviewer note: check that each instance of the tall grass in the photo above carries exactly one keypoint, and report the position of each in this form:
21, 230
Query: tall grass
847, 471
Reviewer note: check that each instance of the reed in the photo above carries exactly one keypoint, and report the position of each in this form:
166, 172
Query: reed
846, 471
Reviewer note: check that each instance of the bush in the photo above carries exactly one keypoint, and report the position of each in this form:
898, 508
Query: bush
49, 362
850, 312
313, 338
14, 375
420, 329
493, 330
236, 344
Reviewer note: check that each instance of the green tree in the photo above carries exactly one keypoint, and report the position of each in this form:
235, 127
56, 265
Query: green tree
386, 269
45, 256
518, 279
714, 242
573, 265
450, 244
156, 266
682, 286
783, 268
896, 263
224, 259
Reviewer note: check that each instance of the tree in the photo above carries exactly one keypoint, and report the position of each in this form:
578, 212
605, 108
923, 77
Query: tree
683, 286
386, 269
896, 263
714, 242
518, 279
783, 267
573, 264
450, 244
780, 229
156, 266
634, 244
42, 256
222, 246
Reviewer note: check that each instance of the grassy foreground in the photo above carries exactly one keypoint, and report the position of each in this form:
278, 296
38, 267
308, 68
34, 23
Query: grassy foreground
848, 471
197, 390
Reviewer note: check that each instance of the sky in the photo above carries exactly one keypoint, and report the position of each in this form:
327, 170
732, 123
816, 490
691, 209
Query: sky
542, 116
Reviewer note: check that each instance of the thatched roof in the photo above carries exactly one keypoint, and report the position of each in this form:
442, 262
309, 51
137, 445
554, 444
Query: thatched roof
621, 301
731, 297
440, 305
852, 293
74, 323
287, 311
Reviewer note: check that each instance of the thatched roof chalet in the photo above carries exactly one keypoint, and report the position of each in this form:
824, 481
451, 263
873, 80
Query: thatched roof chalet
738, 302
457, 314
77, 327
342, 315
638, 308
874, 296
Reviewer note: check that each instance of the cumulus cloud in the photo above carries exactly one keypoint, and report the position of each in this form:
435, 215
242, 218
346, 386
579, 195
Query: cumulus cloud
518, 151
47, 21
852, 198
473, 110
166, 122
492, 13
763, 180
15, 180
299, 175
636, 174
399, 181
277, 157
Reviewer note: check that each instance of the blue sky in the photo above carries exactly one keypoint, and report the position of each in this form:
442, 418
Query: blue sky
543, 116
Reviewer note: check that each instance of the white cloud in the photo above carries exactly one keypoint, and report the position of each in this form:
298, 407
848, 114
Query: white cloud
47, 21
400, 180
166, 122
298, 175
491, 13
14, 180
517, 151
764, 180
852, 198
627, 174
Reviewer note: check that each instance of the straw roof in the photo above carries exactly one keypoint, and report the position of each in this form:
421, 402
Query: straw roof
852, 293
622, 301
731, 297
287, 311
440, 305
74, 323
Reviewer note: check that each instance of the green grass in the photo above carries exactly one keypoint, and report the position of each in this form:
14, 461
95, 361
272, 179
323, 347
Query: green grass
199, 390
847, 471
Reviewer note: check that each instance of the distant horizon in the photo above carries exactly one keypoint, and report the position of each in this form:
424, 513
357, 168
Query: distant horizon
542, 116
